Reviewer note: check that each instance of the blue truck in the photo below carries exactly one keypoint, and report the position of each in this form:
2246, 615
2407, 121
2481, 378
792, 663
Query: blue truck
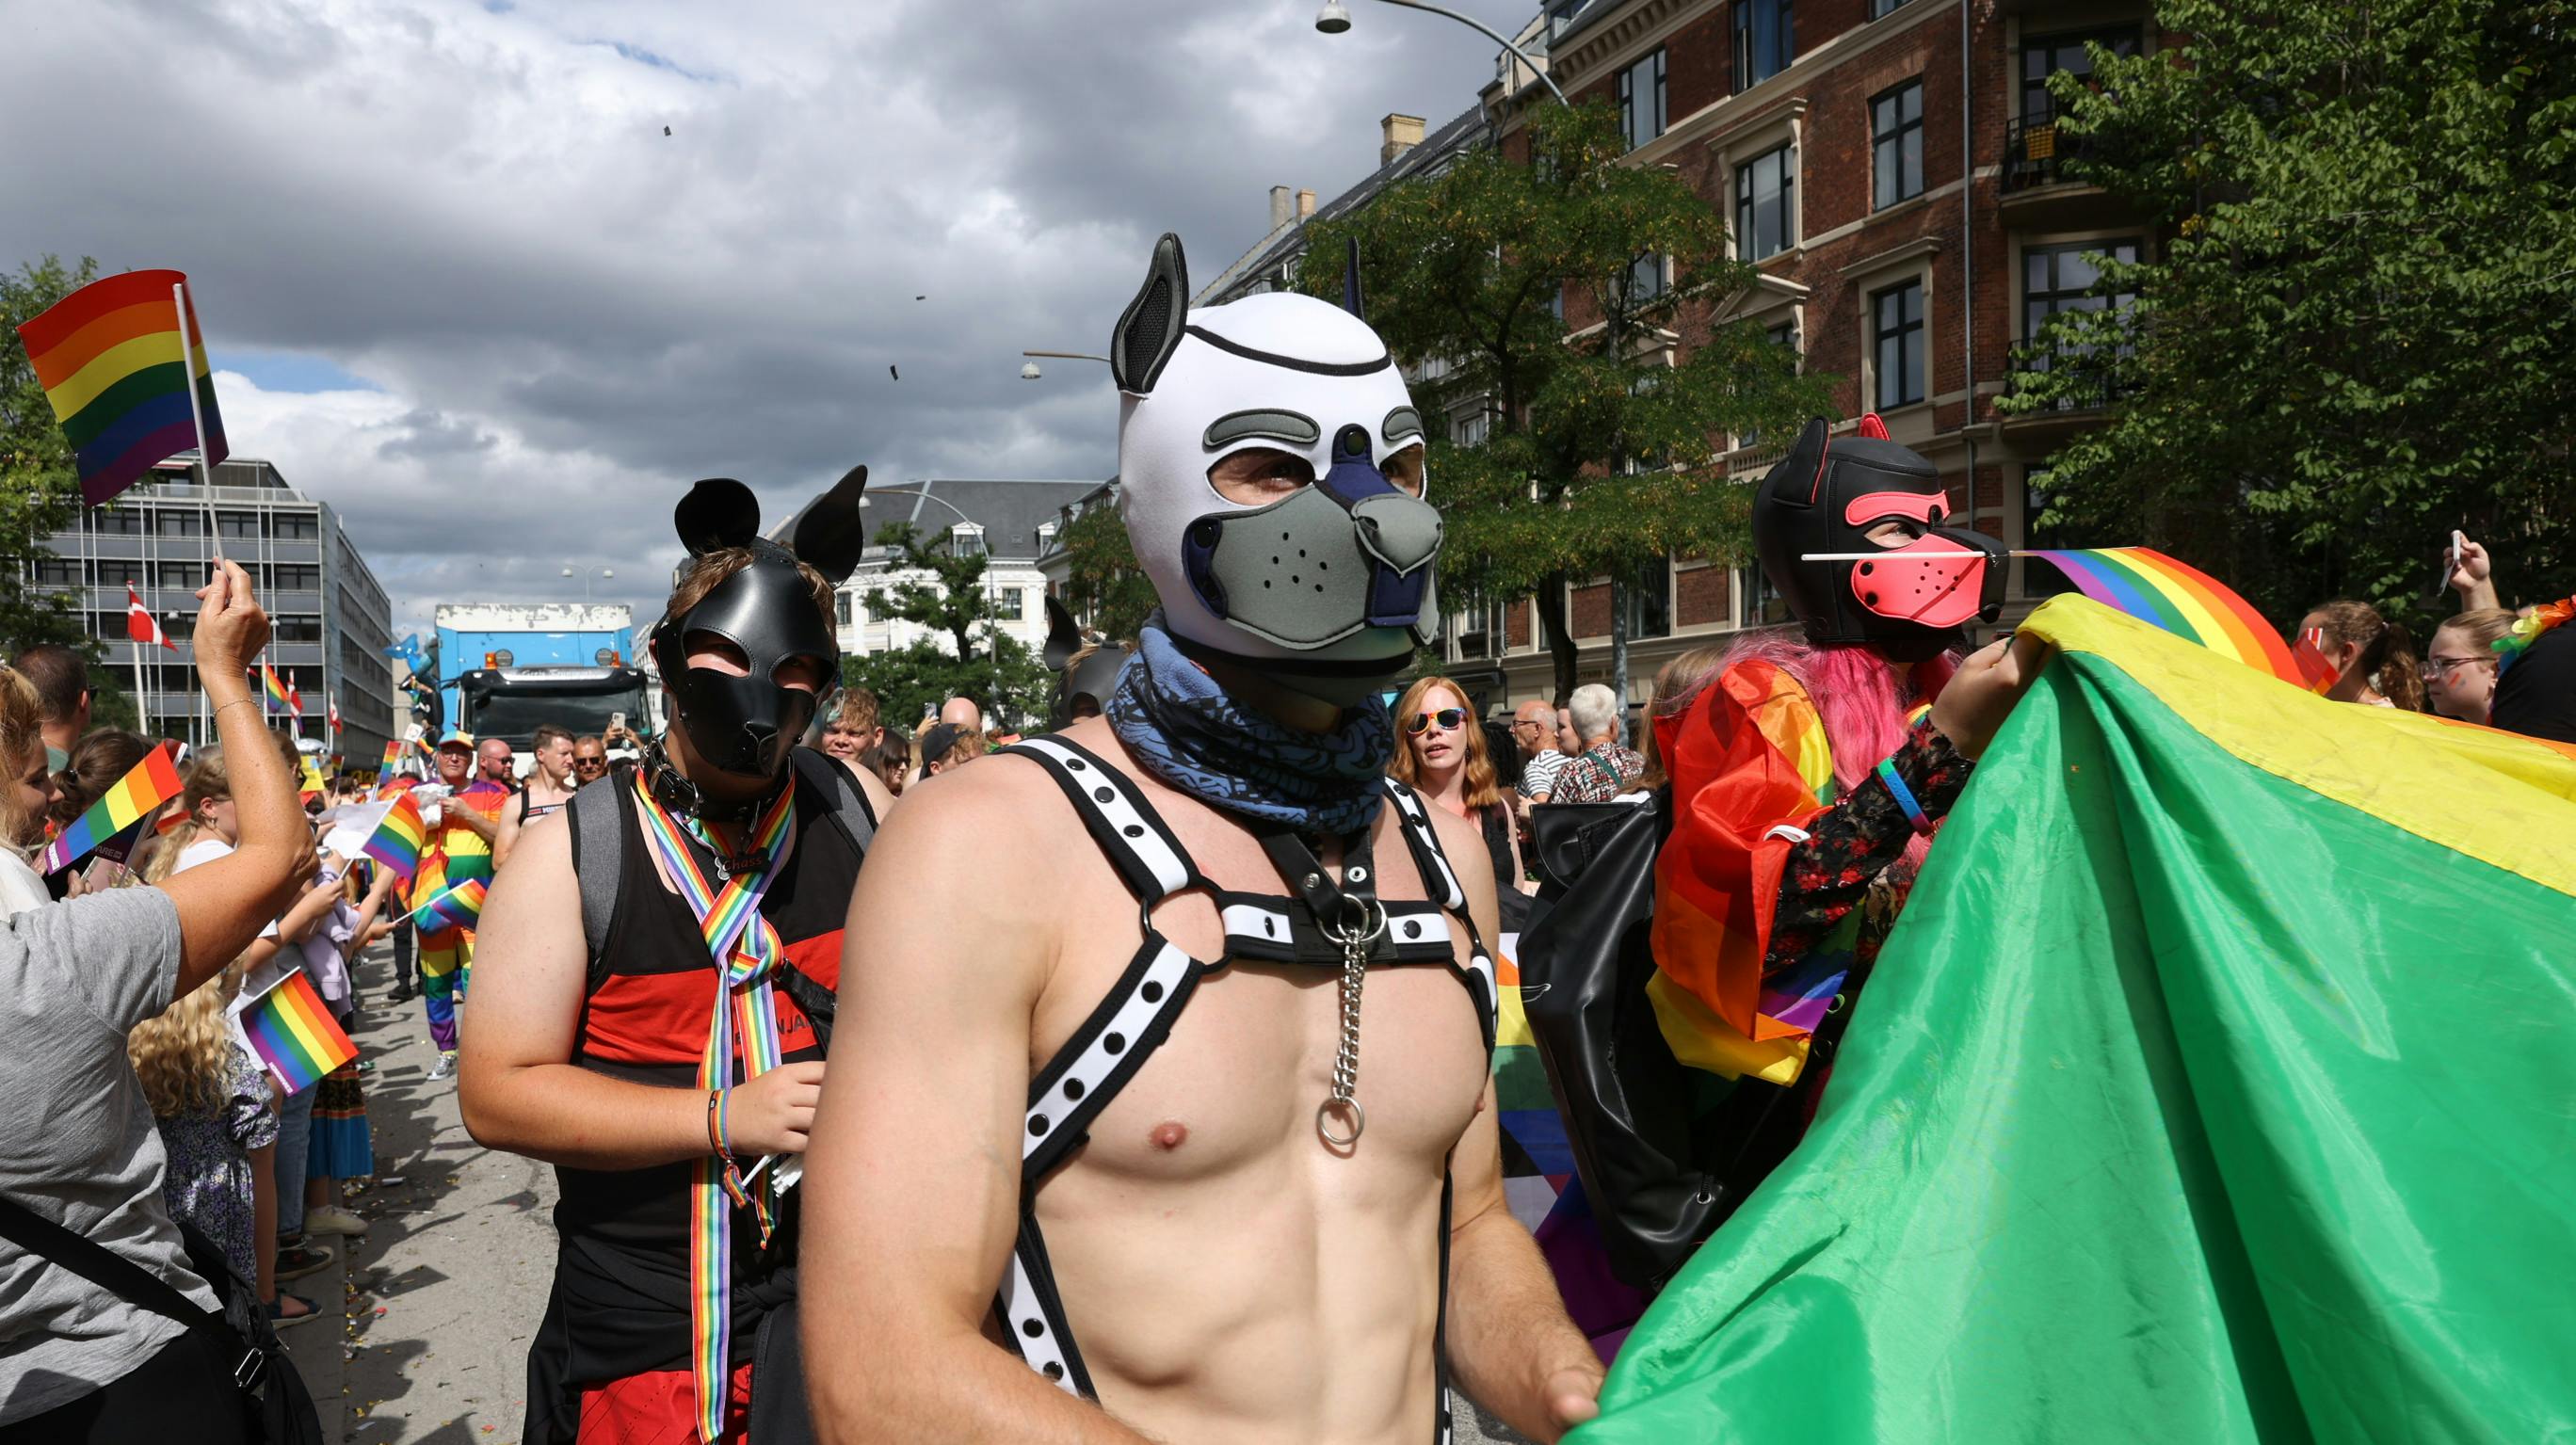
505, 668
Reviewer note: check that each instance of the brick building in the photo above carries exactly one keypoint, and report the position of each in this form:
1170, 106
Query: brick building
1829, 133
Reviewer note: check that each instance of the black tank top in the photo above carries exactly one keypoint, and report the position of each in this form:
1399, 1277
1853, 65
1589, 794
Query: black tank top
621, 1299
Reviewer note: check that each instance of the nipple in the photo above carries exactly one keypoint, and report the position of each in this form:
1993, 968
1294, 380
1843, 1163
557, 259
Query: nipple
1169, 1134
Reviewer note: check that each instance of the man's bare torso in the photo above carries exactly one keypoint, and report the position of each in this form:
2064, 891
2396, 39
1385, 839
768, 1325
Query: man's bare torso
1226, 1274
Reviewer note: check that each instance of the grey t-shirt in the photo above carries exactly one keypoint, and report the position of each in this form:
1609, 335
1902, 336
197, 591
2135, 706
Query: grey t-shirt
77, 1142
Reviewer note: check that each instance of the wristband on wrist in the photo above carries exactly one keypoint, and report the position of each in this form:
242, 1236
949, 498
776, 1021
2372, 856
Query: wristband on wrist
715, 1125
1904, 796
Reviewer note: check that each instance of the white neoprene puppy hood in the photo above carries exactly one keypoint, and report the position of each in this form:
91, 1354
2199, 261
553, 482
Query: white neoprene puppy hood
1281, 372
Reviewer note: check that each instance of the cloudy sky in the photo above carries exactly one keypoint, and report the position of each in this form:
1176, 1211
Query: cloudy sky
460, 284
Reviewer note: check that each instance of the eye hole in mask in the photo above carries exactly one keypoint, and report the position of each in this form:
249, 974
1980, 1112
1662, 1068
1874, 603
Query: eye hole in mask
1258, 476
722, 655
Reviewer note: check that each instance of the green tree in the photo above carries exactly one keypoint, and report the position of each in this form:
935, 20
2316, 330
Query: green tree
1599, 453
965, 652
1106, 586
39, 490
2358, 335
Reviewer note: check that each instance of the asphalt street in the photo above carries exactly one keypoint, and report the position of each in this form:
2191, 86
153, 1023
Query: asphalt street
441, 1295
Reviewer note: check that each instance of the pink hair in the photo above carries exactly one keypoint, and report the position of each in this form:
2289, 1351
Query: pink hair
1861, 697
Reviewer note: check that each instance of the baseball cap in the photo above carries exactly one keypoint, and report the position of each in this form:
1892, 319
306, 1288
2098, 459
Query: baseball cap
939, 741
456, 738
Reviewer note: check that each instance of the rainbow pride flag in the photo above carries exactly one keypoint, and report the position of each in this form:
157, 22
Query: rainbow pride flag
457, 907
135, 797
275, 687
292, 1034
397, 841
2155, 589
393, 755
117, 369
2135, 1133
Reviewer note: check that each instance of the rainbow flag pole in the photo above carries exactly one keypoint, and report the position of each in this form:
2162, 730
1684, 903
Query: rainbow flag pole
196, 413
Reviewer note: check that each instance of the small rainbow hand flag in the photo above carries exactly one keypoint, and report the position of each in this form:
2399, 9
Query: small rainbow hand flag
397, 841
291, 1033
117, 367
275, 687
135, 797
2161, 592
457, 907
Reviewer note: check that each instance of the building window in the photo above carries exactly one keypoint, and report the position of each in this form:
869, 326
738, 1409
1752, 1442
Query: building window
1764, 45
1896, 322
114, 522
2045, 55
1879, 9
1785, 336
1896, 144
1472, 429
1561, 13
58, 572
296, 526
2065, 278
298, 629
120, 574
1649, 596
1763, 605
1649, 276
237, 524
1766, 217
180, 522
297, 576
841, 608
188, 575
1641, 99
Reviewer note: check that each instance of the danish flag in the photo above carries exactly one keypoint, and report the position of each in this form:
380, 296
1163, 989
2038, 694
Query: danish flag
335, 714
139, 622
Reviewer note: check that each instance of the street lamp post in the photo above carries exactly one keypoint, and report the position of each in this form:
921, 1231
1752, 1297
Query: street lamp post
606, 574
1029, 369
1335, 18
992, 623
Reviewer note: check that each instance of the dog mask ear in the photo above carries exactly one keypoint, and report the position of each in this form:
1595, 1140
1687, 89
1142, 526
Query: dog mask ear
1149, 330
830, 535
1064, 636
717, 513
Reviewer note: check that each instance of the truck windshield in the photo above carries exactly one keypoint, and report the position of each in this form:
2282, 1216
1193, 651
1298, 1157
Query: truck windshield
516, 716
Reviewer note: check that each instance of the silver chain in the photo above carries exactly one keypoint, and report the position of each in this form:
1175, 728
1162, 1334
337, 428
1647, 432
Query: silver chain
1346, 1060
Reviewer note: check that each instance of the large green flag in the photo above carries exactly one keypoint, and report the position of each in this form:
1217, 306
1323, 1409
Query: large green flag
2219, 1084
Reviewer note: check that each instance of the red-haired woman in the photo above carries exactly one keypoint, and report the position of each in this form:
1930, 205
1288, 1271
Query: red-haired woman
1444, 759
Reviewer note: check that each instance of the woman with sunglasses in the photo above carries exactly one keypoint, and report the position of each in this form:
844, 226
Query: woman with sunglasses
1444, 759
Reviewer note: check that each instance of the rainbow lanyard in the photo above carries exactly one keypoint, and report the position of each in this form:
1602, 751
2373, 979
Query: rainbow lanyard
746, 948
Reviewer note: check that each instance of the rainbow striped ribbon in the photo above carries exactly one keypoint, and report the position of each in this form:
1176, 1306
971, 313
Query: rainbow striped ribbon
746, 947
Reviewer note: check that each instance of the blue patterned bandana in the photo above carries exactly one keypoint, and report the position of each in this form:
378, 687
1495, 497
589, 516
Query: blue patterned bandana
1184, 730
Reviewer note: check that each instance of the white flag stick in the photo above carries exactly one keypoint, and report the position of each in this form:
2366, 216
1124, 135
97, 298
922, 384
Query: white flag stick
196, 414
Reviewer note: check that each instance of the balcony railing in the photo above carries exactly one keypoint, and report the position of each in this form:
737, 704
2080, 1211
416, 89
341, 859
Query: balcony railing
2036, 152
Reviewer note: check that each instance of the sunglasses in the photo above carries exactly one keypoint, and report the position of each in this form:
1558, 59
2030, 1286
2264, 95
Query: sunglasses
590, 762
1448, 720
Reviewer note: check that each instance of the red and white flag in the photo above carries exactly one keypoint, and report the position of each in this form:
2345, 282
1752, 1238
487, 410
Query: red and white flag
139, 622
294, 700
335, 714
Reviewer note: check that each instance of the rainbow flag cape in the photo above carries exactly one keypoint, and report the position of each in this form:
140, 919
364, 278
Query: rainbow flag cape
117, 369
292, 1034
2213, 1085
460, 906
2161, 592
397, 841
135, 797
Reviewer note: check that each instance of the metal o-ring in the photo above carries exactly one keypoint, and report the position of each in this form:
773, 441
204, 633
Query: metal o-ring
1359, 1122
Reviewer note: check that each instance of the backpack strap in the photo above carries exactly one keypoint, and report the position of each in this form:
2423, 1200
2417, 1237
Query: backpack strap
132, 1283
598, 845
828, 778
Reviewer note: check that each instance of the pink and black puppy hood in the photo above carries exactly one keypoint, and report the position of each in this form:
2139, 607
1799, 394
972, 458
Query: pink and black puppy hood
1824, 497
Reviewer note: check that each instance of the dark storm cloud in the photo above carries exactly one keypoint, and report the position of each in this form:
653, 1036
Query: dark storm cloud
571, 313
